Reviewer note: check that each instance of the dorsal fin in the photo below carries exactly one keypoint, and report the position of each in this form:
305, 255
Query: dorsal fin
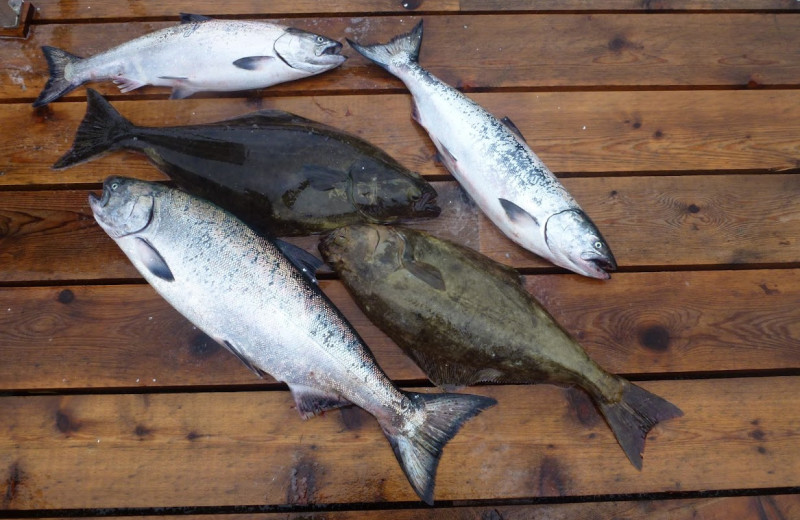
189, 18
511, 126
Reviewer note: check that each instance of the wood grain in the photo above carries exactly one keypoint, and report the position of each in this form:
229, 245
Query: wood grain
769, 507
57, 10
575, 133
498, 51
705, 220
161, 450
82, 337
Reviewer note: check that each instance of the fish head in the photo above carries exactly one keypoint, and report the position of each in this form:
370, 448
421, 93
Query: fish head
307, 51
385, 195
576, 244
364, 252
125, 207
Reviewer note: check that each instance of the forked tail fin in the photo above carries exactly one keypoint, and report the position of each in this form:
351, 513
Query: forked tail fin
404, 47
101, 128
418, 444
632, 417
57, 85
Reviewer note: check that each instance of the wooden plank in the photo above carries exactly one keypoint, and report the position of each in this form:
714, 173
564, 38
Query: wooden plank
765, 507
573, 132
639, 323
107, 451
498, 51
648, 222
56, 10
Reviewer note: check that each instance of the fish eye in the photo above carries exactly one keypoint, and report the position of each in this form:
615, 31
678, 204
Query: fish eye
320, 39
114, 186
598, 245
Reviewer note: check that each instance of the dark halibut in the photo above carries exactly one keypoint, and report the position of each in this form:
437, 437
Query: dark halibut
465, 318
277, 171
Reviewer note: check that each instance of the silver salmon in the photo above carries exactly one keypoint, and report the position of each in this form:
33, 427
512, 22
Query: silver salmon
201, 54
465, 318
495, 165
243, 290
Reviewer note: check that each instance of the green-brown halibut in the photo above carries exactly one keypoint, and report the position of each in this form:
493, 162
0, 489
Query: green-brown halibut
278, 172
465, 318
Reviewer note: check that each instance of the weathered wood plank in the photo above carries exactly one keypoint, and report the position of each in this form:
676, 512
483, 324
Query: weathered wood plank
638, 323
161, 450
765, 507
498, 51
659, 221
55, 10
573, 132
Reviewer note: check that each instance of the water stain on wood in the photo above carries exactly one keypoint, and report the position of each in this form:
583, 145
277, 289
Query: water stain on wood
620, 43
201, 346
769, 289
66, 296
142, 432
302, 482
655, 338
352, 418
15, 480
583, 408
65, 424
693, 208
551, 479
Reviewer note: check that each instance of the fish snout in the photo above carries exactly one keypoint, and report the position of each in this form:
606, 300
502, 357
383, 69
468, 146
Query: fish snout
426, 204
597, 265
333, 49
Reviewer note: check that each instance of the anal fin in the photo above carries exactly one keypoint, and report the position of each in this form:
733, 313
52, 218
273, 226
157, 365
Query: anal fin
451, 376
311, 401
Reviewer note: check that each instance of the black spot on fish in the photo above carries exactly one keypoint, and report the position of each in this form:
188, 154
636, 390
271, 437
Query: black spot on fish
693, 208
66, 296
302, 482
551, 481
65, 424
352, 418
583, 407
142, 431
757, 434
15, 479
411, 4
202, 346
655, 338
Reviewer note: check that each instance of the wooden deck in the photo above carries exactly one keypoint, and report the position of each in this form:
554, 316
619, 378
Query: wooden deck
675, 124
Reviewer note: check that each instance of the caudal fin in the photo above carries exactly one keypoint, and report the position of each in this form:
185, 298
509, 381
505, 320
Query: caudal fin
406, 45
57, 85
101, 128
634, 415
434, 420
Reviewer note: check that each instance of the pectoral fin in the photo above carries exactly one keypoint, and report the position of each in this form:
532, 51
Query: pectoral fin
425, 272
153, 260
236, 352
517, 214
321, 178
511, 126
253, 62
301, 259
311, 401
180, 91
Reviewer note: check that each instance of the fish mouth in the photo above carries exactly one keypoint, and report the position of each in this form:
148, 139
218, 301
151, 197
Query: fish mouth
99, 202
597, 266
426, 205
334, 49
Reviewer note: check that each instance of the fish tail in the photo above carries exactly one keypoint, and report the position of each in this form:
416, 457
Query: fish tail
58, 84
418, 444
632, 417
101, 128
404, 47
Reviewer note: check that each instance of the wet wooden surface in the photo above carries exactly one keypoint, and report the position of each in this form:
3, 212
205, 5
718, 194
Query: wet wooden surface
675, 124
